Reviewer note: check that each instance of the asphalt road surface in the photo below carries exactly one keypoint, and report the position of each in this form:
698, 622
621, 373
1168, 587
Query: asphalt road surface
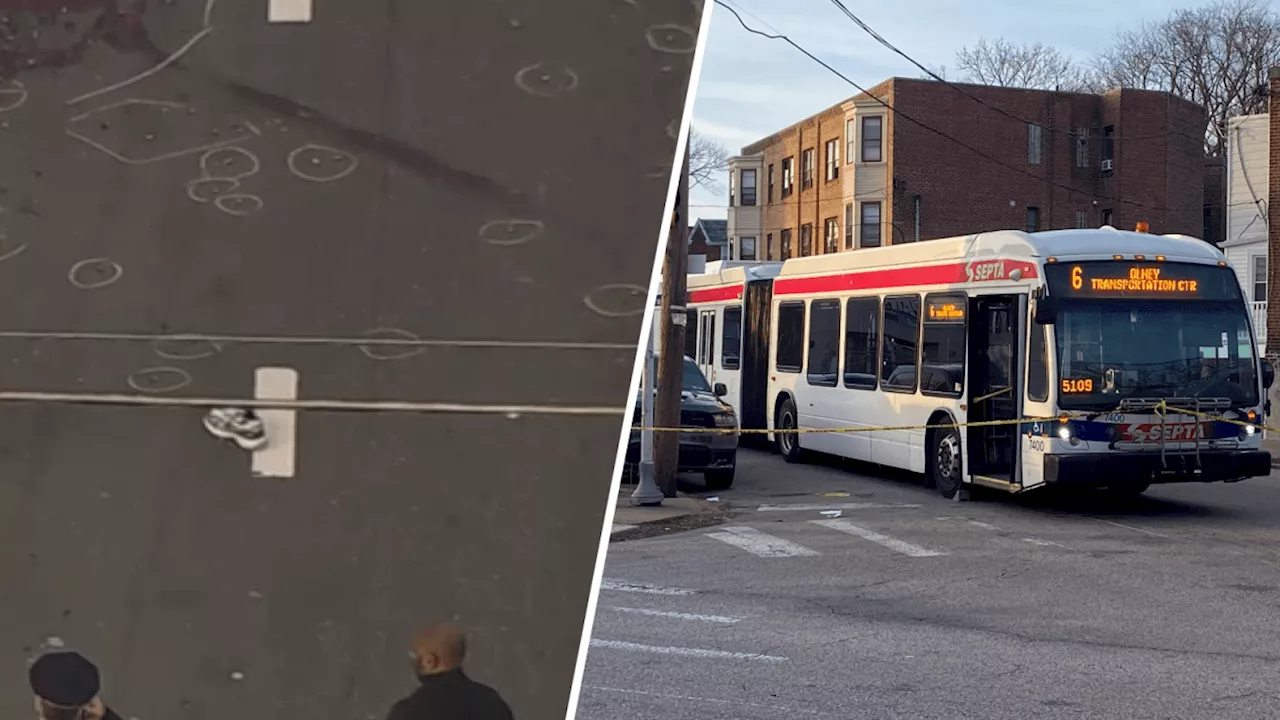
910, 606
466, 173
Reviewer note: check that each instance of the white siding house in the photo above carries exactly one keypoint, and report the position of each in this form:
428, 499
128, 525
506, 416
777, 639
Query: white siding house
1248, 159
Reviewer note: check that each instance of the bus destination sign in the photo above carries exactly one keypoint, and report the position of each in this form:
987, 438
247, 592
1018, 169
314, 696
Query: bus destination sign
944, 312
1117, 279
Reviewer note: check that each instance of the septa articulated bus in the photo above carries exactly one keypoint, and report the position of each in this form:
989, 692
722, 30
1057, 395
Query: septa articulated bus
1071, 346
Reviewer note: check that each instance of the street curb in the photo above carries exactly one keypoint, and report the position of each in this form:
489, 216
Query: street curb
709, 514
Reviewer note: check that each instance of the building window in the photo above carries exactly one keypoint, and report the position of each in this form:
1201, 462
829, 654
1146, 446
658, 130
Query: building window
733, 248
1106, 218
1082, 219
1082, 147
851, 140
915, 204
1033, 219
747, 248
898, 348
1259, 278
942, 347
732, 188
831, 235
848, 226
790, 337
768, 247
833, 159
731, 338
1108, 149
787, 250
787, 178
871, 139
869, 231
806, 169
861, 333
769, 197
824, 343
748, 188
806, 240
1035, 136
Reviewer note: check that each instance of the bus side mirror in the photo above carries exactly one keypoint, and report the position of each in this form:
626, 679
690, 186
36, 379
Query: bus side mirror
1268, 374
721, 390
1046, 310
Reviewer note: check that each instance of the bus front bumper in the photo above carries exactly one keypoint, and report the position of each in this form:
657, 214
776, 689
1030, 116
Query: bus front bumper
1147, 467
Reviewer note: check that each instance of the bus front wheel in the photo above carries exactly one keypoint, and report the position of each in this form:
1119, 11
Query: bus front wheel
788, 439
944, 462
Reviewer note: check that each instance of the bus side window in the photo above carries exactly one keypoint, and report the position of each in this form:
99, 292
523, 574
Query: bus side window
861, 339
731, 340
790, 346
824, 343
899, 347
1038, 365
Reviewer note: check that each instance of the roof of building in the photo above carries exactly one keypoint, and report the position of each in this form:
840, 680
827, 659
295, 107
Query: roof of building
716, 231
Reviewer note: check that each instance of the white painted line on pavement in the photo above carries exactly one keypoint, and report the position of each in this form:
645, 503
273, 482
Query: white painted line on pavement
894, 544
280, 455
808, 507
684, 651
760, 543
983, 525
289, 11
1043, 543
1130, 527
644, 588
778, 710
722, 619
620, 528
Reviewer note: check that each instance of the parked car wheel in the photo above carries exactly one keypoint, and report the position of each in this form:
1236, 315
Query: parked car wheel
719, 479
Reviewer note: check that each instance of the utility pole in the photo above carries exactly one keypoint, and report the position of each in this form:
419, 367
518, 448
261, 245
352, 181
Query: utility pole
671, 315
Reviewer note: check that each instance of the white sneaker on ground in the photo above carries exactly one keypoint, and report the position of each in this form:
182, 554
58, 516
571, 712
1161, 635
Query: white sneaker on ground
238, 425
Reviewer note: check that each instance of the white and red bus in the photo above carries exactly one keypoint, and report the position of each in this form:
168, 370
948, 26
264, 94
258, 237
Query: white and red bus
1076, 339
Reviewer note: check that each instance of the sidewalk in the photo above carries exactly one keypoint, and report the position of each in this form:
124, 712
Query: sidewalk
674, 514
1272, 445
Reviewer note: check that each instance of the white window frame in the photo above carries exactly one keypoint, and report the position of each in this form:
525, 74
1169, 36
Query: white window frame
1082, 147
851, 140
832, 150
743, 243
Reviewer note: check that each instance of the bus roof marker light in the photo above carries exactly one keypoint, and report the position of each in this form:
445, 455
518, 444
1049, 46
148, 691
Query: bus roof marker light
1142, 227
1052, 260
1139, 257
1117, 257
1159, 258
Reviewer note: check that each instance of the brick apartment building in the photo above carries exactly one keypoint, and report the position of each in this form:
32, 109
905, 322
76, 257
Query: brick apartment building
860, 175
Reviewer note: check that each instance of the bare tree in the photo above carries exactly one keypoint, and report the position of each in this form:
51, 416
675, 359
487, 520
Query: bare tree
1033, 65
1216, 55
707, 159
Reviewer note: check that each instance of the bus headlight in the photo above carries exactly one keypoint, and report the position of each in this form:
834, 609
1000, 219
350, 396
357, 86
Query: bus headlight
1066, 435
1249, 430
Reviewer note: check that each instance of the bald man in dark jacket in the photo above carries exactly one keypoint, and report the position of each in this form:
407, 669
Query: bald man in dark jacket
444, 691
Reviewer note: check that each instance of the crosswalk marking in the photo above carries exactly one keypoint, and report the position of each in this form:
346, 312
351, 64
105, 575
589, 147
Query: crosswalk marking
894, 544
644, 588
760, 543
721, 619
685, 651
810, 507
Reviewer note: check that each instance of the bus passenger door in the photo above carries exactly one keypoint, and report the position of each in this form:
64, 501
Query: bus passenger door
996, 351
1037, 404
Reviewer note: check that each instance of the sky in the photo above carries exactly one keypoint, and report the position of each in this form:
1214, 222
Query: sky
752, 86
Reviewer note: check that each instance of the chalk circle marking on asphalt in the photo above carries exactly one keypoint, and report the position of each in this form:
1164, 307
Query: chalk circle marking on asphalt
13, 95
540, 79
345, 162
94, 273
159, 380
238, 204
207, 159
184, 347
597, 304
10, 251
193, 188
391, 351
669, 38
510, 232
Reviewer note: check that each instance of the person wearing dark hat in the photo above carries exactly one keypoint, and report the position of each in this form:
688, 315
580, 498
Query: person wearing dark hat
444, 691
66, 687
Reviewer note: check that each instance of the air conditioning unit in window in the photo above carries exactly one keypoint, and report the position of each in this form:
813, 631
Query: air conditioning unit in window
1107, 165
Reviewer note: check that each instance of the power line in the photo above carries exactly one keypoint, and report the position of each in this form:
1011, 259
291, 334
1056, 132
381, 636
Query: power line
1069, 131
929, 128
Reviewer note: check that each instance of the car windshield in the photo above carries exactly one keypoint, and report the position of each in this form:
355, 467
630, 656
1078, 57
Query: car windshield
1110, 350
693, 378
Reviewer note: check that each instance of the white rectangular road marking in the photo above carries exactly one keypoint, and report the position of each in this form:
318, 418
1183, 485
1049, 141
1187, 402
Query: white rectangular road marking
279, 457
686, 652
760, 543
644, 588
722, 619
894, 544
289, 11
619, 528
808, 507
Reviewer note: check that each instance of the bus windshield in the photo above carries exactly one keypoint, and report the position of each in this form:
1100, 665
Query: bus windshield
1112, 350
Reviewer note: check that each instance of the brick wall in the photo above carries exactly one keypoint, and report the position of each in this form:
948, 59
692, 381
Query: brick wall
1158, 162
1273, 222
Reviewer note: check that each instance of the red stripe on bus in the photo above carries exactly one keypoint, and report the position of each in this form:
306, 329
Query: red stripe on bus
715, 294
899, 277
